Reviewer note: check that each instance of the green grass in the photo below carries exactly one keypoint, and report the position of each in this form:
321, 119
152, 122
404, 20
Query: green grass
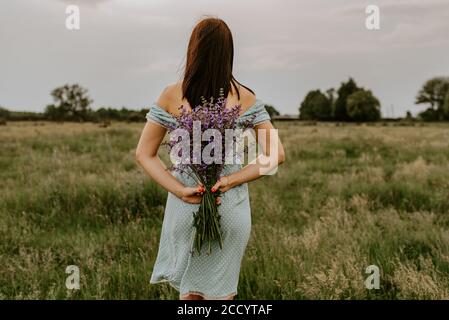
346, 198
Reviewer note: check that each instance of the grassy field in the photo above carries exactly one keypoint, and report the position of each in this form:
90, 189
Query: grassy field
346, 198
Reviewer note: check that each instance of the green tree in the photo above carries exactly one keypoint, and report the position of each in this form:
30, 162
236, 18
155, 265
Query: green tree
71, 103
363, 106
123, 114
409, 116
330, 93
434, 92
315, 106
446, 107
4, 113
340, 108
272, 111
429, 115
55, 113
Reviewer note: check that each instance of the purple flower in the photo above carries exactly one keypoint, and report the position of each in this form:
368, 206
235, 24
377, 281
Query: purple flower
212, 115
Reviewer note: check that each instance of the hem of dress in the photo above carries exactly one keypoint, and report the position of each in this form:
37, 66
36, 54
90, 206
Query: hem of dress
204, 296
165, 280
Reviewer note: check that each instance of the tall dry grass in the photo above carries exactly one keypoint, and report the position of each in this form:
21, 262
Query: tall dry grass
347, 197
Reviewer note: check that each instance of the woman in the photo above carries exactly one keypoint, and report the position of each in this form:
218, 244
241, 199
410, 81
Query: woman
208, 68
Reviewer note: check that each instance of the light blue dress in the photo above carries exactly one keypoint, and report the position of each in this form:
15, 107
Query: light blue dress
213, 276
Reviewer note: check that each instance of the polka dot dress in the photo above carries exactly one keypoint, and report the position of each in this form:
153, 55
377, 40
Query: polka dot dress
214, 275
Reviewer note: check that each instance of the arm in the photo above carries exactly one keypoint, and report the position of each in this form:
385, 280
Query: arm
146, 155
265, 162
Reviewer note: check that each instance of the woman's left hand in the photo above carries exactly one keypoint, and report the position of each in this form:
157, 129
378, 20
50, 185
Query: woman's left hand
224, 184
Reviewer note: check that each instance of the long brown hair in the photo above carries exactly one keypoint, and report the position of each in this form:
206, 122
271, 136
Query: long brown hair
210, 57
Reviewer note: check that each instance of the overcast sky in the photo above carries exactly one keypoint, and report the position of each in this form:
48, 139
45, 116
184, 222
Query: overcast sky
127, 51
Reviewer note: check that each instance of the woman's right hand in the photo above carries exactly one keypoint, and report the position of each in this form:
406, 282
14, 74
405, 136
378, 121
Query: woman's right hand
192, 195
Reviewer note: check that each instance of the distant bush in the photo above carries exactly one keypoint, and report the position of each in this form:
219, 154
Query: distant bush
352, 104
409, 116
4, 113
363, 106
71, 103
316, 106
429, 115
122, 114
271, 110
100, 115
340, 109
26, 116
435, 93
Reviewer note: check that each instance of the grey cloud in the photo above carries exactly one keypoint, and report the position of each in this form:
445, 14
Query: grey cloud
127, 51
405, 8
92, 3
410, 35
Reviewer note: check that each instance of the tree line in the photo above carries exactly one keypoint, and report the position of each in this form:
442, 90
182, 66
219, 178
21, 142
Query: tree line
72, 103
348, 103
435, 94
353, 103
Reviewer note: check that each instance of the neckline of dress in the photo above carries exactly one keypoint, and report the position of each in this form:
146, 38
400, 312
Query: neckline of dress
246, 111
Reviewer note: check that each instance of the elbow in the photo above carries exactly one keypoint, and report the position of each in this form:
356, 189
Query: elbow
281, 158
139, 156
143, 156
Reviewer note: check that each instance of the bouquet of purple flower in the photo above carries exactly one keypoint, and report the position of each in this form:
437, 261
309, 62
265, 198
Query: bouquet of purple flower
203, 157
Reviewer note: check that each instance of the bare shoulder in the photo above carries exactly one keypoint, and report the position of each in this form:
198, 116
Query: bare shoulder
247, 98
169, 96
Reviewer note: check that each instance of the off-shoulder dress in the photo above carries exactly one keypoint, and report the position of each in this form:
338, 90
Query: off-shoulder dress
213, 276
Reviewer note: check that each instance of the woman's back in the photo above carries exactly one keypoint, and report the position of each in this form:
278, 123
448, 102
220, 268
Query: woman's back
208, 71
171, 98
